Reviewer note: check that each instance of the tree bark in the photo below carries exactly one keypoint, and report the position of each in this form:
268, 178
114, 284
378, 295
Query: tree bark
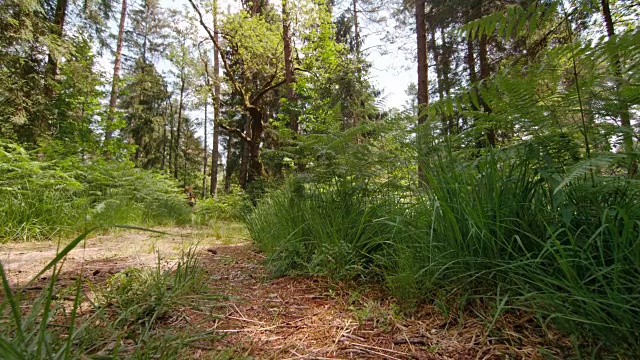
216, 106
485, 72
356, 28
288, 66
108, 134
227, 169
178, 127
423, 70
471, 62
437, 60
171, 134
423, 73
446, 70
52, 61
244, 163
256, 168
164, 137
625, 116
205, 159
356, 31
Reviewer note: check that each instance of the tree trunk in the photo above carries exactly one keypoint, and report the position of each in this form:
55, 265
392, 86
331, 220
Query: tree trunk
446, 70
625, 116
256, 168
171, 134
244, 163
227, 171
446, 63
423, 69
164, 139
178, 127
108, 134
437, 59
423, 73
58, 30
216, 106
356, 31
205, 159
471, 62
52, 61
485, 72
288, 66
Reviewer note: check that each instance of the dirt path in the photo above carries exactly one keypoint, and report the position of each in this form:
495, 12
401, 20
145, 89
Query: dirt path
310, 318
285, 318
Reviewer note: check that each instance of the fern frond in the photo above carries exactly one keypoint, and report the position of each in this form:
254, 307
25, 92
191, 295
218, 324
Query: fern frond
585, 166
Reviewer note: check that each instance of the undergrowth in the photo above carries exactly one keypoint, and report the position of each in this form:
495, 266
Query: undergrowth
127, 317
41, 197
231, 206
501, 228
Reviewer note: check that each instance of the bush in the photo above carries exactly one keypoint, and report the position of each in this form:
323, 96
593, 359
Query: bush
233, 206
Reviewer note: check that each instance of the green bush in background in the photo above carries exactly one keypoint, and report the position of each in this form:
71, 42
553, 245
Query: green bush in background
233, 206
42, 197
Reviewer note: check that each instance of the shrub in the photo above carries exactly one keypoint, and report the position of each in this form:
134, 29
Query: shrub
226, 206
39, 198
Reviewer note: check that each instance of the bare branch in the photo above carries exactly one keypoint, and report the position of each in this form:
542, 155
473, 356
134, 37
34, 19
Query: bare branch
227, 68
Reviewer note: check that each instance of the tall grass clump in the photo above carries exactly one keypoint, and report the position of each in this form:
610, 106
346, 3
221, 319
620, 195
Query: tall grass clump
42, 197
335, 229
501, 228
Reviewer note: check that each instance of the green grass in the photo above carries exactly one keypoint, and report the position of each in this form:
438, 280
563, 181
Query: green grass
496, 230
127, 317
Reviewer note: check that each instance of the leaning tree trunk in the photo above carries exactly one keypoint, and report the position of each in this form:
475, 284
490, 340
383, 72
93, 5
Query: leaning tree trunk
108, 134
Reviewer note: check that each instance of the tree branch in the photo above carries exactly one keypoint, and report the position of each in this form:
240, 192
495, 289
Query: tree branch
235, 131
207, 77
217, 45
262, 92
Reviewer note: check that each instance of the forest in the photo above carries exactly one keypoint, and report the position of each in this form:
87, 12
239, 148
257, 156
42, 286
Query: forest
506, 187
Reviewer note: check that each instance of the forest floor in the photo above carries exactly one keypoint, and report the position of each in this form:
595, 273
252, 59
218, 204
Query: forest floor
260, 317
